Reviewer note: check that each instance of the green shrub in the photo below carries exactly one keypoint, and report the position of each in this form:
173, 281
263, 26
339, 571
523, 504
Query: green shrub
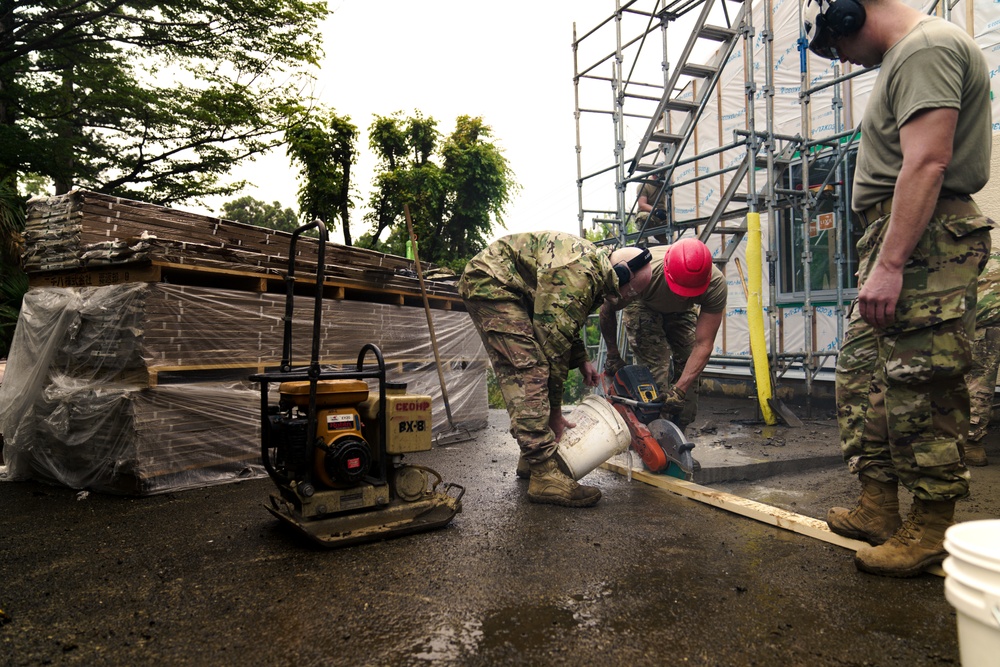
493, 394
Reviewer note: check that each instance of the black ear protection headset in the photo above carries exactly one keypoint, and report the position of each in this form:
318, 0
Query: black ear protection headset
842, 17
625, 274
838, 18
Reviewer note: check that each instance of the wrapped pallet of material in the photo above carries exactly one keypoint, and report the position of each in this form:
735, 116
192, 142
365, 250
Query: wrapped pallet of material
141, 388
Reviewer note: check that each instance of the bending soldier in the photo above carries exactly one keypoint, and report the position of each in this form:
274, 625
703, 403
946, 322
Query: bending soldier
672, 325
529, 296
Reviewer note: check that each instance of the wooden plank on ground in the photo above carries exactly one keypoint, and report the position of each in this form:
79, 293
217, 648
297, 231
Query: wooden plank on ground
775, 516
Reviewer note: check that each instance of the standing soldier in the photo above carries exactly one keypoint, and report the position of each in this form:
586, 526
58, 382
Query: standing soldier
982, 378
903, 405
529, 296
672, 325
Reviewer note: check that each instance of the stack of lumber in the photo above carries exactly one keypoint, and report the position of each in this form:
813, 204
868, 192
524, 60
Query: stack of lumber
139, 385
87, 230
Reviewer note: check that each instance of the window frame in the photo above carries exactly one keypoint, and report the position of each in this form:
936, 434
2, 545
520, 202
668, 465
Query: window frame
788, 266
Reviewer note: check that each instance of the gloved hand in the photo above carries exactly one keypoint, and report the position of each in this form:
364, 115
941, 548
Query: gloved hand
659, 214
673, 402
612, 366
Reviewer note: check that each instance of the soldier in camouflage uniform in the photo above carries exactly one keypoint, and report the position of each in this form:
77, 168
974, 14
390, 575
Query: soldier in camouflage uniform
982, 377
903, 404
672, 325
529, 296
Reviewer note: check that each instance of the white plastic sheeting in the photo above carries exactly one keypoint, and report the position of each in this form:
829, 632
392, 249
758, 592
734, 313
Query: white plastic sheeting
142, 388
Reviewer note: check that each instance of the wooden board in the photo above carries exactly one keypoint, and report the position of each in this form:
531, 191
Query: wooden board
775, 516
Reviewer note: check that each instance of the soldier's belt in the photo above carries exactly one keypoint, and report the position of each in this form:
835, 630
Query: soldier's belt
948, 203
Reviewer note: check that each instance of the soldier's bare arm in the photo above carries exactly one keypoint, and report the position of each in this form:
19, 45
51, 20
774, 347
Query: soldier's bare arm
926, 141
705, 332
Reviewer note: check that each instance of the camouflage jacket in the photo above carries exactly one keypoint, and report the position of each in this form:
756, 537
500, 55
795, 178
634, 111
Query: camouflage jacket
560, 278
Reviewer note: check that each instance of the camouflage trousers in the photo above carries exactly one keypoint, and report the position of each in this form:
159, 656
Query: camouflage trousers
642, 221
522, 371
902, 401
982, 379
662, 343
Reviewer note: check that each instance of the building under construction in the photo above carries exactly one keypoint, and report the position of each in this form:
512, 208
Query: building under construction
754, 139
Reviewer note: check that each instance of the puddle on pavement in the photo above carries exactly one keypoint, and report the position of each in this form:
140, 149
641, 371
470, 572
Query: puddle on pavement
449, 642
526, 626
519, 627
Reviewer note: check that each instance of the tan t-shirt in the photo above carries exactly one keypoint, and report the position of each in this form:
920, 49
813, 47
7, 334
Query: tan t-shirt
935, 66
658, 297
649, 190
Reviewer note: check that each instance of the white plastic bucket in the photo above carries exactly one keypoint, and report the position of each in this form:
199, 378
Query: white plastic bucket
972, 586
599, 434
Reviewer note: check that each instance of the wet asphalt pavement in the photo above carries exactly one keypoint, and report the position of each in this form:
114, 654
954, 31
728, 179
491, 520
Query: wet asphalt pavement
208, 577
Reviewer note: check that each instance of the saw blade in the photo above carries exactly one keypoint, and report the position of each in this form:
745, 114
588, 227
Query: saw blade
673, 443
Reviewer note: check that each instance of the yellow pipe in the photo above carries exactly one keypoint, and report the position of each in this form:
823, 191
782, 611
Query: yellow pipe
755, 316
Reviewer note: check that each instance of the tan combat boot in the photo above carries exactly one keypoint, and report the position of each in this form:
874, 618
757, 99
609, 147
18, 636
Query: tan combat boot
523, 468
876, 516
918, 544
975, 454
549, 484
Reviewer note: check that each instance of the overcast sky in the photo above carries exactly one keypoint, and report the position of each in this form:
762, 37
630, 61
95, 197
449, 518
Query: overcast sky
509, 62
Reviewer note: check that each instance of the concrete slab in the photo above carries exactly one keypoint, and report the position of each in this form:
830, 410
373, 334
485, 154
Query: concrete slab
732, 443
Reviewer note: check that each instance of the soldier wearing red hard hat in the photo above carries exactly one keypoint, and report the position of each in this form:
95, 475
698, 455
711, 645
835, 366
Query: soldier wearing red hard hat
673, 323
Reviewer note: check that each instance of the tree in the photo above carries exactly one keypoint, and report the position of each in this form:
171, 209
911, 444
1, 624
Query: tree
150, 100
13, 281
255, 212
481, 185
323, 145
454, 204
404, 147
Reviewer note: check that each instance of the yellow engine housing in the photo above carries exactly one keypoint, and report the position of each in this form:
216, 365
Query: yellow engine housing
328, 392
408, 419
333, 424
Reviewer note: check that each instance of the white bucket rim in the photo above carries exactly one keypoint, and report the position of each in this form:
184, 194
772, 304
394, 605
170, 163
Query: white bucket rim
605, 409
966, 542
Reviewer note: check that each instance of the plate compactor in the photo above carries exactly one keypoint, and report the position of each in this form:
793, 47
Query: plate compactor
335, 449
659, 442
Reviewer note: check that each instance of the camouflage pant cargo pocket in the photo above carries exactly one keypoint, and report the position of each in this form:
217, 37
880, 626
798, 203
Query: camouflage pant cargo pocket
936, 453
508, 334
925, 355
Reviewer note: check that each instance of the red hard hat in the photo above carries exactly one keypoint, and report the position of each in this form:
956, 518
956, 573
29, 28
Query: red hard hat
687, 267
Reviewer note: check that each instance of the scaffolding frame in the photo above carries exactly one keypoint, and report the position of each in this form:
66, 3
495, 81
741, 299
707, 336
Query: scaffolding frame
661, 151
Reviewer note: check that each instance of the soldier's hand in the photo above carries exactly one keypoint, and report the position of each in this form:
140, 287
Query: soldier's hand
673, 402
878, 297
659, 214
558, 423
589, 373
612, 366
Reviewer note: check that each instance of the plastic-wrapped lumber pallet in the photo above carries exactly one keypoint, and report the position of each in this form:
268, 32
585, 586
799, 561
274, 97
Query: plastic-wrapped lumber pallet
140, 387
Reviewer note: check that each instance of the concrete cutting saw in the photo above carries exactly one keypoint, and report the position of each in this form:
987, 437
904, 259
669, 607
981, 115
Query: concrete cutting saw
335, 450
659, 442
